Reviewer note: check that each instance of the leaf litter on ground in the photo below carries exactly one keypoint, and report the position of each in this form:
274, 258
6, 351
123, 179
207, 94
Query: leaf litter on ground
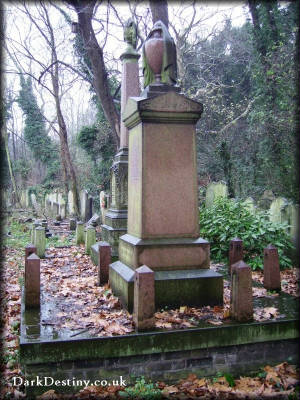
69, 277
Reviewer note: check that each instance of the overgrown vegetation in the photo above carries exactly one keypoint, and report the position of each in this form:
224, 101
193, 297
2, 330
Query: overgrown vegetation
227, 219
142, 390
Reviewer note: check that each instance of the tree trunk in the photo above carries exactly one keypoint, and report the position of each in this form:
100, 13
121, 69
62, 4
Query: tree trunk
159, 11
13, 182
100, 78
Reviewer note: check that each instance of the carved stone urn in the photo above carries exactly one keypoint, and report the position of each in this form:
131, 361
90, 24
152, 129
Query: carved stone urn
154, 50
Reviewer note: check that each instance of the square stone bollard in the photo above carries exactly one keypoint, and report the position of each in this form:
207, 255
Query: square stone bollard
40, 241
80, 233
90, 238
104, 261
271, 269
29, 249
144, 299
235, 252
241, 301
32, 281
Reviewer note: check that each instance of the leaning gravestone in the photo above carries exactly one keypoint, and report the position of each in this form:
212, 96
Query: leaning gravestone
215, 190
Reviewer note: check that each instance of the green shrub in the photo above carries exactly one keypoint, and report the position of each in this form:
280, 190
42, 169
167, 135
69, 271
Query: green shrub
227, 219
142, 390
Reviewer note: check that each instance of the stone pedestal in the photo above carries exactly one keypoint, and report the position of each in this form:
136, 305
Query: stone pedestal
163, 228
115, 223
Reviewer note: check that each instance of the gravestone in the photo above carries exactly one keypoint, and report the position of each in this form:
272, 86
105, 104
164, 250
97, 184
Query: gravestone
40, 241
213, 191
115, 221
103, 205
250, 204
266, 199
71, 203
293, 219
84, 205
35, 203
279, 210
163, 227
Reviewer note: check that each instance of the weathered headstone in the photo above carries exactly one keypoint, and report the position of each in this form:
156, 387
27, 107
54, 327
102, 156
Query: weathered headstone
162, 226
271, 269
293, 220
80, 237
115, 222
35, 203
266, 199
235, 252
250, 204
32, 281
40, 241
71, 203
90, 238
84, 205
144, 299
241, 301
215, 190
104, 261
103, 205
278, 210
72, 224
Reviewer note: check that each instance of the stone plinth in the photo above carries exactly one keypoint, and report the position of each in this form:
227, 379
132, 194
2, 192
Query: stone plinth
163, 228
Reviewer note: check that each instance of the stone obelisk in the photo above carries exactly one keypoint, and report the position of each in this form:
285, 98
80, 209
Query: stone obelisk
163, 227
115, 223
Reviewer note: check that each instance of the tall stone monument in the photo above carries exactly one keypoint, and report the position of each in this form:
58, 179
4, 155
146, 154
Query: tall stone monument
163, 228
115, 223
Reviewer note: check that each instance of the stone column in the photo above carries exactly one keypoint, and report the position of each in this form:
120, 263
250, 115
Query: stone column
144, 299
40, 241
32, 281
80, 233
115, 223
235, 252
90, 238
241, 302
271, 269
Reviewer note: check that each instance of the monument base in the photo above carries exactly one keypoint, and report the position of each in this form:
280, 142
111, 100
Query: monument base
193, 288
115, 224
